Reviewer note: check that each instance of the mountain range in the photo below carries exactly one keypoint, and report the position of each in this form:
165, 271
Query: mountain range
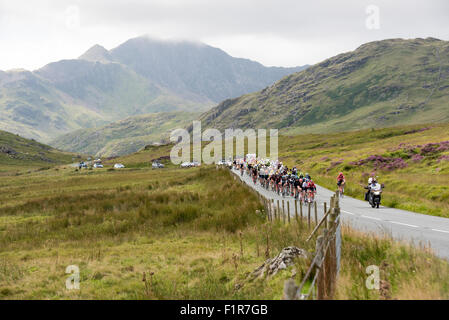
383, 83
140, 76
380, 84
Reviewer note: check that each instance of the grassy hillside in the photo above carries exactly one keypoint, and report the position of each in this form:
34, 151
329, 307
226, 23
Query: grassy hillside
412, 161
195, 233
125, 136
33, 108
17, 153
383, 83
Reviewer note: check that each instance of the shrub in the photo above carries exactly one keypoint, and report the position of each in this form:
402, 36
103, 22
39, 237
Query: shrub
381, 163
417, 158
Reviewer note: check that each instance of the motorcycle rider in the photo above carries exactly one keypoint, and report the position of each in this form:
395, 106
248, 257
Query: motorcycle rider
374, 187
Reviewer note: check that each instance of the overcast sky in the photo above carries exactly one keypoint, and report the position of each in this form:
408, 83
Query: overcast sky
273, 32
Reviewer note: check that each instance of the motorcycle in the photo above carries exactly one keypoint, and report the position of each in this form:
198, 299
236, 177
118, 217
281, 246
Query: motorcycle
375, 197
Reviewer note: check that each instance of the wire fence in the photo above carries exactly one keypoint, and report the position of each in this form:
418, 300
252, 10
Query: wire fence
319, 282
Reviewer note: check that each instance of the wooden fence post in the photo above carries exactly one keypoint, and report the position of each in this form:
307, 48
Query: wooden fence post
320, 279
283, 211
300, 208
270, 208
308, 215
288, 210
296, 210
325, 211
279, 211
316, 214
273, 208
267, 206
332, 251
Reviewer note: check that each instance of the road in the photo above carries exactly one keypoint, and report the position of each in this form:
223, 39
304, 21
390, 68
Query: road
419, 229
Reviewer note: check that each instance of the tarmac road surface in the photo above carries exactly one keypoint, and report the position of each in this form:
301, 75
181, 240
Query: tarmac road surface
419, 229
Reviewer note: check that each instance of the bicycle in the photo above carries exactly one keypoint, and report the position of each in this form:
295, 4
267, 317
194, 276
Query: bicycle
341, 189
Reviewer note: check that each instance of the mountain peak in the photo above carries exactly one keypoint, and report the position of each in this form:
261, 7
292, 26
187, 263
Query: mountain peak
96, 53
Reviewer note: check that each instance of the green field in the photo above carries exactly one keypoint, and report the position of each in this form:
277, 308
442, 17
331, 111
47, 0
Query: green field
183, 225
195, 233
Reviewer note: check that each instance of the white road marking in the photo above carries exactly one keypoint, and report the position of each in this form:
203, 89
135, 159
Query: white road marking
438, 230
368, 217
404, 224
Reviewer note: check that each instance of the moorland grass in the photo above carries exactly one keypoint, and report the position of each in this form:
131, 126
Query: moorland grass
195, 233
421, 185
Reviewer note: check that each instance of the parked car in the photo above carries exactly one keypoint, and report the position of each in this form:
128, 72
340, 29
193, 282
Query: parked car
157, 165
118, 166
186, 165
98, 165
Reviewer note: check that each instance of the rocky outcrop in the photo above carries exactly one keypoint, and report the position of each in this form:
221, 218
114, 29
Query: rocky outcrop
283, 260
7, 150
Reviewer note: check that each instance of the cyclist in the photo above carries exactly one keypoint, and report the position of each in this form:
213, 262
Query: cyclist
341, 181
297, 186
305, 188
278, 182
254, 174
291, 182
265, 177
295, 171
312, 190
284, 181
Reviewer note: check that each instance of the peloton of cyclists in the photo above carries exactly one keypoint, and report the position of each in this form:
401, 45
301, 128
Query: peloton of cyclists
277, 177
